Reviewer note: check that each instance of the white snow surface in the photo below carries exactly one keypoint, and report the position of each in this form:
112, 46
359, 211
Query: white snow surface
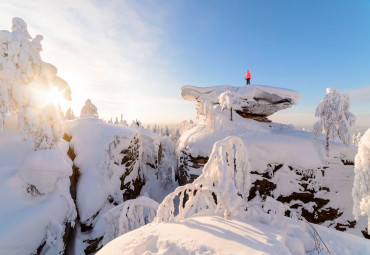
216, 235
192, 93
28, 220
266, 143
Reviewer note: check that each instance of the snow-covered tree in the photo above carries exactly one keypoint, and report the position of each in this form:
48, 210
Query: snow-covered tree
167, 131
135, 124
128, 216
26, 83
222, 189
185, 126
121, 122
155, 129
229, 100
335, 118
110, 121
356, 138
70, 114
361, 185
89, 110
116, 121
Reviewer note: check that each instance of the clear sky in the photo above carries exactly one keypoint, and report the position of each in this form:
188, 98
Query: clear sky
132, 57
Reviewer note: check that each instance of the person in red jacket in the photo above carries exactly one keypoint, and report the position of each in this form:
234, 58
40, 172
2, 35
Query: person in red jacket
248, 77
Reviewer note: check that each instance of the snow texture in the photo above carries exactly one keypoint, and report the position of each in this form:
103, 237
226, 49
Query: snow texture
217, 235
361, 185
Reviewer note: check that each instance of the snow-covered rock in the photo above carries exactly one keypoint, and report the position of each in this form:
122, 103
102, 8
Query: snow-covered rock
113, 163
252, 101
44, 168
287, 164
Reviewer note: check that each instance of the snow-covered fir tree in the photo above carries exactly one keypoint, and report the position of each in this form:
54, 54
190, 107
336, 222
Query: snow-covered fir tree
26, 83
361, 185
335, 118
121, 122
116, 121
70, 114
155, 129
166, 131
89, 110
110, 121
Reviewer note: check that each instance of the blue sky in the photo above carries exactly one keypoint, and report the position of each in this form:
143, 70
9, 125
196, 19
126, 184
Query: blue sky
132, 57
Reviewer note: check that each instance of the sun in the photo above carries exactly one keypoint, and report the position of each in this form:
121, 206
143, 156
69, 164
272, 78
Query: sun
55, 96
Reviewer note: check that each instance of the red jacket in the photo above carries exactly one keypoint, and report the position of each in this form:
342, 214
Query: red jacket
248, 75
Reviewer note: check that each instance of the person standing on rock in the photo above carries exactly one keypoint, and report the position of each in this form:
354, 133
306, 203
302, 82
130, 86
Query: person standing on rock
248, 77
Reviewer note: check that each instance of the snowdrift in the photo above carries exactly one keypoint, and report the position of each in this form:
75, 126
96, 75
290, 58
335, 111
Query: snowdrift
216, 235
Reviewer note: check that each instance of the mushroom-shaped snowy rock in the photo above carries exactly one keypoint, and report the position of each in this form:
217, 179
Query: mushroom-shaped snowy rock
254, 101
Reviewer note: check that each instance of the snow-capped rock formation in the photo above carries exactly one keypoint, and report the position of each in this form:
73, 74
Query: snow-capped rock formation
213, 216
113, 163
253, 101
286, 164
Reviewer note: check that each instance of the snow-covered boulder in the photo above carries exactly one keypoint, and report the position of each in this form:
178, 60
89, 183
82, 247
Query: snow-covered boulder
253, 101
44, 168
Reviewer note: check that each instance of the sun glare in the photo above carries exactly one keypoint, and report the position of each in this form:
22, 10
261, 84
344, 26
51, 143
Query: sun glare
55, 96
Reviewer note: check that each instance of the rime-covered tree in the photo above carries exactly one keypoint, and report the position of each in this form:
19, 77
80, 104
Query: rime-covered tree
222, 188
70, 114
166, 131
116, 121
110, 121
25, 84
361, 185
155, 129
335, 118
229, 100
89, 110
121, 122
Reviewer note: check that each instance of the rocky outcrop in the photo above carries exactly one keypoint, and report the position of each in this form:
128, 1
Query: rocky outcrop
125, 154
308, 200
252, 102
